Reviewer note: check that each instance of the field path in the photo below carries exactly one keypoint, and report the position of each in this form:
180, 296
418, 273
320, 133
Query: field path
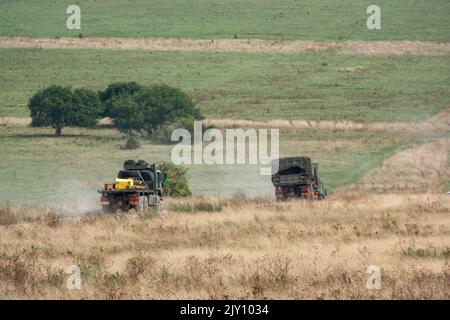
230, 45
439, 122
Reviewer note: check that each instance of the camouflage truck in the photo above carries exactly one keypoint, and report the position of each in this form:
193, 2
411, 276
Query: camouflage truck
138, 186
297, 177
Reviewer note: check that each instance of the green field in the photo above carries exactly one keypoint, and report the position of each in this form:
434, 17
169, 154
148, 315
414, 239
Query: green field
206, 19
245, 85
38, 167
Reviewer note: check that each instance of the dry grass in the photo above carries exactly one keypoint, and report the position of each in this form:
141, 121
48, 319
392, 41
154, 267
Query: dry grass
228, 45
14, 215
424, 168
239, 248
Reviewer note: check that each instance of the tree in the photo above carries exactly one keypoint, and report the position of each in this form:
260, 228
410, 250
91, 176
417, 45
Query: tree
128, 116
164, 105
148, 109
114, 90
58, 106
88, 108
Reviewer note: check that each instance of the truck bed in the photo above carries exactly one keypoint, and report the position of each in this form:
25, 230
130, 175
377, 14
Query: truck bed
117, 191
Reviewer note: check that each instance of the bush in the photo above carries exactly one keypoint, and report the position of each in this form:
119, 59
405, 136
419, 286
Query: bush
51, 218
58, 106
132, 144
7, 215
176, 181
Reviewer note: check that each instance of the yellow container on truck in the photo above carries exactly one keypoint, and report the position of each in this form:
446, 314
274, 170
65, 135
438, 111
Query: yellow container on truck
122, 184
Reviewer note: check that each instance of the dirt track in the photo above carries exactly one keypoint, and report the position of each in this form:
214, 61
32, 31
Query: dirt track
439, 122
229, 45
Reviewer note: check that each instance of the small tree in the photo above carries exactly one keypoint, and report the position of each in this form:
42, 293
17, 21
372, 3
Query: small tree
58, 106
176, 180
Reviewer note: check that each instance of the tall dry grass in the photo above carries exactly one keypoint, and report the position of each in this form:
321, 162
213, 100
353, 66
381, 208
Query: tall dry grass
421, 169
237, 248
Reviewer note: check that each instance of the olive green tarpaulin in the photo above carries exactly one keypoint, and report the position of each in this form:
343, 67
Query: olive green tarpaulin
292, 162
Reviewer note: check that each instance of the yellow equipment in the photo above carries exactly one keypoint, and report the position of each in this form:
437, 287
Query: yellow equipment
124, 184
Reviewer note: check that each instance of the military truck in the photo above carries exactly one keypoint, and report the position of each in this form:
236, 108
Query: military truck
138, 186
297, 178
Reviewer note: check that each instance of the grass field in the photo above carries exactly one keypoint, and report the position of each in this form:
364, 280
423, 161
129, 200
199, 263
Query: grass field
207, 19
68, 170
243, 85
234, 249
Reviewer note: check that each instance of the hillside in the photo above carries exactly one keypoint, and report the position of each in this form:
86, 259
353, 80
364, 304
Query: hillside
252, 86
